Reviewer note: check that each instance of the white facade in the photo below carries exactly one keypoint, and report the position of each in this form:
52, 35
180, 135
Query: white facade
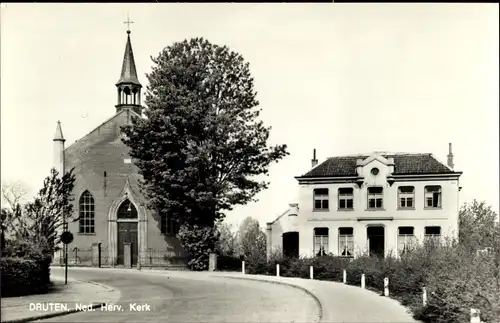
336, 213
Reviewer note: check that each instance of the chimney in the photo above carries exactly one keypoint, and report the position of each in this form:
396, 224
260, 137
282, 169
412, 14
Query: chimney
314, 161
450, 157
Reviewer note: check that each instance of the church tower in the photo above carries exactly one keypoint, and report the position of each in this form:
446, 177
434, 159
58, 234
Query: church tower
129, 88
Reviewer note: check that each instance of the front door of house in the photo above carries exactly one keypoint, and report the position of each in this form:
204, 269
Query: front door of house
127, 232
376, 240
291, 244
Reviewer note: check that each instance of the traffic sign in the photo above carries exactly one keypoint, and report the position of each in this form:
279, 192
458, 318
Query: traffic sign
67, 237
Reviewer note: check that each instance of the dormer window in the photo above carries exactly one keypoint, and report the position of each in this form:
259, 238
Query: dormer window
346, 198
321, 199
375, 197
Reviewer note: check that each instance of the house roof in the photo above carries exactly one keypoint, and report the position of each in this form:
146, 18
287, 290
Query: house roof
404, 164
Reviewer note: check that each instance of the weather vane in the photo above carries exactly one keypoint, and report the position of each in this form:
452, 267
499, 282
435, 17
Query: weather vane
128, 22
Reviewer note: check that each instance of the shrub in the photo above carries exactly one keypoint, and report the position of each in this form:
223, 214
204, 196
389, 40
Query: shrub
228, 263
199, 241
21, 276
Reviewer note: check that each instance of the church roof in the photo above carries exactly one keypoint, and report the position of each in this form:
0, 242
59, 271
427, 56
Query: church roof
132, 112
129, 73
404, 164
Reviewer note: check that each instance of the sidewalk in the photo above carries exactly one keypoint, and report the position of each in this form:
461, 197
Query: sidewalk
63, 299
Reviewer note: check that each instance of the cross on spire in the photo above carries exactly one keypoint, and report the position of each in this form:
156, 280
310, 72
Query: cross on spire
128, 22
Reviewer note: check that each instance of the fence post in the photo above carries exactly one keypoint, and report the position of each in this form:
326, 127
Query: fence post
345, 277
99, 255
212, 262
362, 280
311, 272
386, 286
475, 315
424, 296
277, 270
243, 267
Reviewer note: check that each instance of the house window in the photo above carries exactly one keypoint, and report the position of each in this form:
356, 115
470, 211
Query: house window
346, 198
432, 232
346, 242
320, 241
433, 196
406, 239
169, 225
375, 197
406, 196
321, 199
86, 213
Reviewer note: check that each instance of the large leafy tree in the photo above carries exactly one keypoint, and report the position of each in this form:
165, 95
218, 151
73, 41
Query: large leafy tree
200, 146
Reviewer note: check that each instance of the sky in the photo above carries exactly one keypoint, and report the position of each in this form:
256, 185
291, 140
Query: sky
338, 78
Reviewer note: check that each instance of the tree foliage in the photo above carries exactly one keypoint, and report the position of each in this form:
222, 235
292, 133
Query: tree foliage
201, 145
252, 240
38, 221
227, 243
13, 193
479, 227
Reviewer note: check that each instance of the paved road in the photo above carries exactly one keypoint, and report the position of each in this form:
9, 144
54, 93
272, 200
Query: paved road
175, 299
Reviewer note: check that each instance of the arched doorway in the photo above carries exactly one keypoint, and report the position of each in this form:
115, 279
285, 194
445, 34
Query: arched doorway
127, 220
291, 244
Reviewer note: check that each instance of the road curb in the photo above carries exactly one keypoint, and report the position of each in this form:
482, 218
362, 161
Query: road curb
109, 288
316, 299
51, 315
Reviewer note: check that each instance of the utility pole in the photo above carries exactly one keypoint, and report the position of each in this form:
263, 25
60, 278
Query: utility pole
66, 238
65, 228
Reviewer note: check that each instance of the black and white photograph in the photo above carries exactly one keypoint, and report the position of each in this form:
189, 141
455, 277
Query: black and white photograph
250, 162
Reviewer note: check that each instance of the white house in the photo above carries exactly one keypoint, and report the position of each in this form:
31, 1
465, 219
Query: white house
376, 203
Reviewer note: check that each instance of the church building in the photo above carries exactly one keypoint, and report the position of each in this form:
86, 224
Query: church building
108, 203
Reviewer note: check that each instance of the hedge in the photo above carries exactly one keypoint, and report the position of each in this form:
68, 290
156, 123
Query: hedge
456, 279
25, 268
228, 263
20, 276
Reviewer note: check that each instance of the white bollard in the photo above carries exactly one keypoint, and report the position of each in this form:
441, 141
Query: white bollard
362, 280
424, 296
345, 277
386, 286
243, 267
311, 272
475, 316
277, 270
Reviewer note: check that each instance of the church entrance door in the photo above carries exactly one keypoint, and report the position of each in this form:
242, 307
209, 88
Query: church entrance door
127, 232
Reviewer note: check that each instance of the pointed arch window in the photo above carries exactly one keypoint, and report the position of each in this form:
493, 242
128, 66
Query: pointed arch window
127, 210
86, 209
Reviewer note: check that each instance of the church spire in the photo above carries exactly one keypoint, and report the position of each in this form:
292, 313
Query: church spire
129, 87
